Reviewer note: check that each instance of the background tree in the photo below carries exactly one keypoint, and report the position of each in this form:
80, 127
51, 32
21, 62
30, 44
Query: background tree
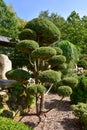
8, 21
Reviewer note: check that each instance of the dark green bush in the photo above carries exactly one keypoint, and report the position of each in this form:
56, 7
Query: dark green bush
27, 34
9, 124
18, 74
82, 63
27, 46
43, 53
80, 111
80, 92
64, 91
50, 76
84, 83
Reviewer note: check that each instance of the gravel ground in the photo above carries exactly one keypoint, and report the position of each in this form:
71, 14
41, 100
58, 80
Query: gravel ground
60, 118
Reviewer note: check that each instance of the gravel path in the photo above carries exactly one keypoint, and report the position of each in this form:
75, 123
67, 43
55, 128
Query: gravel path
60, 118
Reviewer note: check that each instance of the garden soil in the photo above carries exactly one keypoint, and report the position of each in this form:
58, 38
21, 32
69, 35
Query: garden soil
60, 118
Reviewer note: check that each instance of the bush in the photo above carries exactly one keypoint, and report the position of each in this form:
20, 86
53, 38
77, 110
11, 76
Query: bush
80, 92
80, 110
64, 91
9, 124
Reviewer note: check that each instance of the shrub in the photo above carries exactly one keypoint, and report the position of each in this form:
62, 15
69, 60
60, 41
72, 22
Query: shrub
80, 111
9, 124
80, 92
64, 91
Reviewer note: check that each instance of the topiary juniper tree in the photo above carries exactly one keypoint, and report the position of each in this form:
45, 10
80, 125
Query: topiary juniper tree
45, 62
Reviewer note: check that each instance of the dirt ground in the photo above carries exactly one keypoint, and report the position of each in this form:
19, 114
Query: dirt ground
60, 118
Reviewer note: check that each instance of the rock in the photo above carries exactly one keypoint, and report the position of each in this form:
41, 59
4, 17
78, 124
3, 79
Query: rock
6, 83
5, 65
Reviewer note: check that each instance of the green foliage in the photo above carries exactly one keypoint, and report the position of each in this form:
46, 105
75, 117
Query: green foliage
80, 92
27, 46
35, 89
45, 30
27, 34
80, 111
82, 63
69, 50
8, 21
9, 124
18, 74
84, 83
58, 50
71, 81
57, 60
50, 76
64, 91
43, 53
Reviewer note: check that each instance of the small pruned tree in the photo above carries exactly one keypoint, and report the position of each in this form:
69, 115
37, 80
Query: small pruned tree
45, 62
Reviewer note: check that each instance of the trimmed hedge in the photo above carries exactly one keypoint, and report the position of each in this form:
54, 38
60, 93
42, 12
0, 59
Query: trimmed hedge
71, 81
64, 91
50, 76
27, 34
46, 31
18, 74
27, 46
56, 60
36, 88
9, 124
43, 53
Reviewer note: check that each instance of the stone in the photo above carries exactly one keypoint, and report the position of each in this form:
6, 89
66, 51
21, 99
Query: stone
5, 65
4, 84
